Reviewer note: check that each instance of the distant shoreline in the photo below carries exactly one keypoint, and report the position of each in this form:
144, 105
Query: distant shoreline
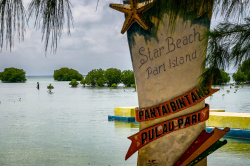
41, 76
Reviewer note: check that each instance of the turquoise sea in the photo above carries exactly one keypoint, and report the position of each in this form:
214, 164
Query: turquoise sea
71, 127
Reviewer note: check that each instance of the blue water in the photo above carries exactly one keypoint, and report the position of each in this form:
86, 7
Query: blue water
71, 127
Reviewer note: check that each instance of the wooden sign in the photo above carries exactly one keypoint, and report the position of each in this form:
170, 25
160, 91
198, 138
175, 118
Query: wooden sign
192, 148
167, 64
217, 134
207, 152
152, 133
180, 103
202, 146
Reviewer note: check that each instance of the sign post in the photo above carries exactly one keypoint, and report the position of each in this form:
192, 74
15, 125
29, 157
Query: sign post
166, 67
167, 61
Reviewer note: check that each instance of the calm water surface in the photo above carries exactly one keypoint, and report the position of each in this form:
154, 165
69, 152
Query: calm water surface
71, 127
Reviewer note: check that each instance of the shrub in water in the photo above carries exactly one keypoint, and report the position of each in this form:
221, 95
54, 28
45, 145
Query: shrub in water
73, 83
13, 75
114, 85
50, 87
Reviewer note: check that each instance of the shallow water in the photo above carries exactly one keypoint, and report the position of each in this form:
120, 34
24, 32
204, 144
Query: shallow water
71, 127
237, 100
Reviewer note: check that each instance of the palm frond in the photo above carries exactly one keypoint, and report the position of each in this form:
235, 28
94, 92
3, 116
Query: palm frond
228, 44
233, 10
234, 39
208, 76
50, 17
12, 21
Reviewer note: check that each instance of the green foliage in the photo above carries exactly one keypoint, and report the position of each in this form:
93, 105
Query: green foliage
243, 73
13, 75
229, 36
100, 82
127, 77
93, 76
133, 86
114, 85
228, 43
73, 83
215, 76
83, 81
50, 87
112, 75
222, 78
239, 77
209, 76
66, 74
248, 77
245, 68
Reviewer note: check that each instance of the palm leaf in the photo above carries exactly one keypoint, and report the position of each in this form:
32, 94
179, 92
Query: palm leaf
228, 44
234, 10
12, 21
50, 17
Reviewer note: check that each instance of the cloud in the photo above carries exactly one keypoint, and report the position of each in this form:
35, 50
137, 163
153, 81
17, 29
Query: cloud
94, 42
85, 14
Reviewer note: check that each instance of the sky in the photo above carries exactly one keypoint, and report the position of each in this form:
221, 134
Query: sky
95, 42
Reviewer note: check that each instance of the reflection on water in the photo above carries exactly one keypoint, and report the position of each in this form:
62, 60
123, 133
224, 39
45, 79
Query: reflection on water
119, 125
71, 127
238, 146
231, 99
235, 152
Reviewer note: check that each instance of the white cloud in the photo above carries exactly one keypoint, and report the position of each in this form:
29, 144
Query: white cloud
85, 14
95, 42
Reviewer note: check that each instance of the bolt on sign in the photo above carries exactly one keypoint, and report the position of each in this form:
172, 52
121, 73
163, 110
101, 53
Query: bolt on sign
167, 49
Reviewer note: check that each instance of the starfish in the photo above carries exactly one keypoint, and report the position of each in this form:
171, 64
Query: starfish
133, 12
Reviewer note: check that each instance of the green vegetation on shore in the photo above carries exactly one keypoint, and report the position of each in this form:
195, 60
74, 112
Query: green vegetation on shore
13, 75
128, 78
73, 83
243, 73
221, 77
241, 76
95, 77
100, 77
112, 76
66, 74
